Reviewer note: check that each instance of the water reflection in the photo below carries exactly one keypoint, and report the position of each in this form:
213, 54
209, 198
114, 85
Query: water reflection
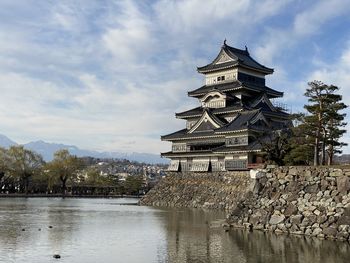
191, 239
102, 230
193, 236
269, 247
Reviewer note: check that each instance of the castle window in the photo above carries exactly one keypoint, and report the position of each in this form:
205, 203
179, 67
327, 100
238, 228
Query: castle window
221, 78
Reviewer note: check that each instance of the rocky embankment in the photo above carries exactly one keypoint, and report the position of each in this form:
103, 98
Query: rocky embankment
298, 200
217, 190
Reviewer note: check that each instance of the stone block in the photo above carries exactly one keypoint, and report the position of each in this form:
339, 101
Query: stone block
257, 174
317, 212
308, 174
281, 175
317, 231
342, 236
336, 172
290, 210
321, 219
312, 188
297, 232
312, 219
345, 217
292, 186
293, 171
344, 228
343, 184
276, 218
282, 227
330, 231
308, 232
289, 178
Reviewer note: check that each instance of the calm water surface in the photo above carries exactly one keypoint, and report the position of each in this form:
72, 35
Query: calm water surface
116, 230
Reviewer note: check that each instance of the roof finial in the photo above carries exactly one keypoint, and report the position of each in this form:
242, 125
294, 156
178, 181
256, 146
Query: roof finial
225, 42
246, 49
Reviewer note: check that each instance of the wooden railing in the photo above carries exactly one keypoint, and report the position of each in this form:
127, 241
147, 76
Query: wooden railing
236, 164
255, 165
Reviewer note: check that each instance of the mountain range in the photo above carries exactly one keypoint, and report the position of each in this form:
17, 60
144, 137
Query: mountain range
48, 149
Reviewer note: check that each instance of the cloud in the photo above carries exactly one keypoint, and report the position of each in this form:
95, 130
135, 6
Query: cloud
311, 20
336, 73
102, 74
279, 41
129, 39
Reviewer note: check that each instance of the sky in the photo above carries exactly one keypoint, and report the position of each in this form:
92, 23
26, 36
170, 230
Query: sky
109, 75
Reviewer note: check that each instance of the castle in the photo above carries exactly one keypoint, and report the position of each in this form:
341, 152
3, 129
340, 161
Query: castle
234, 117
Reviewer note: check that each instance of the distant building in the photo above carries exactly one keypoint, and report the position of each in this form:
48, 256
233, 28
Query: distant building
235, 113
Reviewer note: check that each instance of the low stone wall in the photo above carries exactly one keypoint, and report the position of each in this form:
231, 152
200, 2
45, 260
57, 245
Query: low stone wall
298, 200
216, 190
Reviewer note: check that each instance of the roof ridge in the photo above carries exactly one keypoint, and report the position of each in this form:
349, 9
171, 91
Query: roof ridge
233, 49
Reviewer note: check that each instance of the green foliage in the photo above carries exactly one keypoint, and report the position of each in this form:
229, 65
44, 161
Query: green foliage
300, 142
64, 167
93, 177
133, 184
316, 135
324, 121
5, 177
23, 165
22, 169
276, 146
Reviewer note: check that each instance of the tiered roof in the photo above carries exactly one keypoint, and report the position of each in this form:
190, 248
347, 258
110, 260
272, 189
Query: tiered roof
235, 86
235, 57
197, 112
247, 111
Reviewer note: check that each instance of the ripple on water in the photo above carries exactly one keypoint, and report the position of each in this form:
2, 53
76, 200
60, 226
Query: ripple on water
117, 230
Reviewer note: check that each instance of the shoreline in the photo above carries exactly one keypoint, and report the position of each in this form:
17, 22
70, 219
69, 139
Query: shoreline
66, 196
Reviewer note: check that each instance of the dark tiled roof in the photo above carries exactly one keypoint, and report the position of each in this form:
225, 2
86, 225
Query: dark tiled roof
176, 134
277, 113
213, 67
241, 122
228, 109
182, 134
199, 111
263, 89
192, 112
240, 57
235, 85
219, 87
174, 154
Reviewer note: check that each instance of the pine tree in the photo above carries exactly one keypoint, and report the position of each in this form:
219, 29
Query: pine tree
317, 108
324, 121
334, 124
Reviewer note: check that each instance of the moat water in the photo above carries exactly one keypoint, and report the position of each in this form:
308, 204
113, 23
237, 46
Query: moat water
117, 230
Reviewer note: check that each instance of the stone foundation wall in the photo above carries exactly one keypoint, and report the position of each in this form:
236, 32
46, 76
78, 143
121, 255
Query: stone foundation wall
216, 190
298, 200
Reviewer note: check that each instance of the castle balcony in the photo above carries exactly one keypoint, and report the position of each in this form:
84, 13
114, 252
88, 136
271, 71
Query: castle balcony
236, 165
196, 146
241, 165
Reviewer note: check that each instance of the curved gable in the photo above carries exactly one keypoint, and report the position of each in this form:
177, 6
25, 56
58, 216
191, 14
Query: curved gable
206, 123
223, 57
263, 100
